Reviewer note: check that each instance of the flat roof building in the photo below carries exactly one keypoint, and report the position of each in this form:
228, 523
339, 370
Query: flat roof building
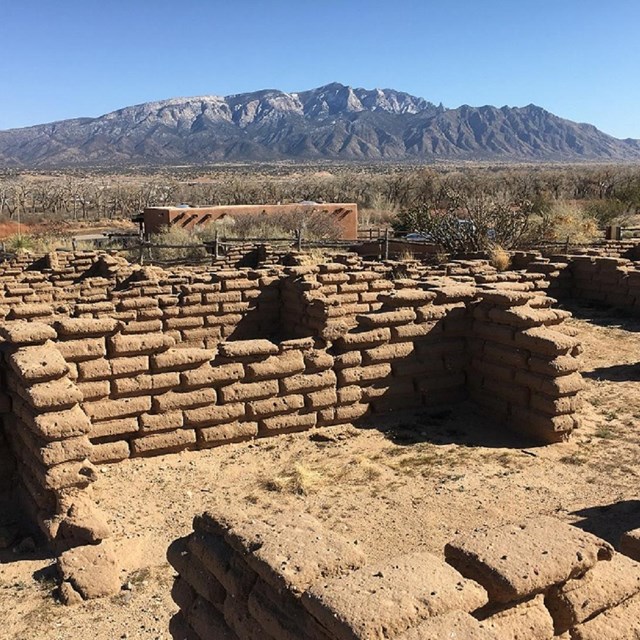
343, 215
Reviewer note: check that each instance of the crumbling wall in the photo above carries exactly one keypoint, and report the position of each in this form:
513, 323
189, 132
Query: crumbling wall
149, 362
242, 575
522, 370
47, 431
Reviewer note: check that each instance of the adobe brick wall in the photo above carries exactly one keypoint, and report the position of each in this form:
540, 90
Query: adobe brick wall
241, 575
103, 361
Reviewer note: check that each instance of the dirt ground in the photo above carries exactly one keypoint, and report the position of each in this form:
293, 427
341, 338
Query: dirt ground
407, 484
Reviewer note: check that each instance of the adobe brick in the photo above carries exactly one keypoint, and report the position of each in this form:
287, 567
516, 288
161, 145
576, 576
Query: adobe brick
287, 423
133, 345
273, 406
82, 349
249, 391
112, 409
164, 441
183, 399
214, 414
226, 433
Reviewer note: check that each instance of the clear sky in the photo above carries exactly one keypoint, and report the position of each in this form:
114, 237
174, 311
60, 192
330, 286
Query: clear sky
579, 59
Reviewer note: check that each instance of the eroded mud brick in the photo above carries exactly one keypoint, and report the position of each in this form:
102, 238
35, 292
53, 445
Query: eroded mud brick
165, 421
94, 390
620, 623
386, 318
501, 334
57, 425
223, 562
543, 426
59, 451
387, 352
456, 624
364, 374
91, 571
163, 441
214, 414
183, 399
134, 345
281, 615
349, 395
27, 311
317, 361
554, 406
226, 433
350, 412
287, 423
558, 386
507, 298
146, 384
308, 382
364, 339
604, 586
122, 408
273, 406
391, 597
503, 355
241, 622
85, 327
38, 363
528, 619
21, 332
179, 358
519, 560
287, 550
540, 340
142, 326
82, 349
53, 395
407, 298
207, 375
69, 474
558, 366
274, 367
109, 452
247, 348
240, 391
454, 293
417, 331
321, 399
109, 428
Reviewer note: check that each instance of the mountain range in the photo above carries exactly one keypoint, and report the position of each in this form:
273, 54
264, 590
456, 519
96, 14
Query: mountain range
333, 122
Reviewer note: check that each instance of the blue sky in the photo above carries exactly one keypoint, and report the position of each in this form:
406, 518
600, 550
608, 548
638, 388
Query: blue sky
577, 58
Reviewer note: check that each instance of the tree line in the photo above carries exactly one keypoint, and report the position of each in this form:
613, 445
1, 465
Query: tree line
606, 192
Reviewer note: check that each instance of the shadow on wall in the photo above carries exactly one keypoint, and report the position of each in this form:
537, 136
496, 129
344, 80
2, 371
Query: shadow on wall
610, 521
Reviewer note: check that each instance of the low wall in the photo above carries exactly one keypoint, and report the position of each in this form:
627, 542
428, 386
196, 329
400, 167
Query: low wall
245, 576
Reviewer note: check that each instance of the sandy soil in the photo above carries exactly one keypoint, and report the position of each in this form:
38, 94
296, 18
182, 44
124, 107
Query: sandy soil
406, 484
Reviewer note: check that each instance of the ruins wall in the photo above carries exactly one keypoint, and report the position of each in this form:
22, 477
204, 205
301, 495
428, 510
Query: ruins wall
103, 361
241, 575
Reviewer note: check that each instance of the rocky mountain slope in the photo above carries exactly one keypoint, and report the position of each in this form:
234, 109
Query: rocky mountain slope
334, 122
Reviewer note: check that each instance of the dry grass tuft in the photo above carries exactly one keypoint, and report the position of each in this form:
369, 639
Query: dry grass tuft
500, 259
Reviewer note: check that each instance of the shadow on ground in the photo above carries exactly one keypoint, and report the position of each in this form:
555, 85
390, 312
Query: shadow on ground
610, 521
602, 315
462, 424
616, 373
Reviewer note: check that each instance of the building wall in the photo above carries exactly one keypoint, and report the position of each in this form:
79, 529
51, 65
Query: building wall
344, 215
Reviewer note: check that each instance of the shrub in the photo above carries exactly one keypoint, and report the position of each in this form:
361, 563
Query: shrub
499, 258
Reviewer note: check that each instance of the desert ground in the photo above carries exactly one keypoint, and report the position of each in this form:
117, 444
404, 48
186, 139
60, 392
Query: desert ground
397, 486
